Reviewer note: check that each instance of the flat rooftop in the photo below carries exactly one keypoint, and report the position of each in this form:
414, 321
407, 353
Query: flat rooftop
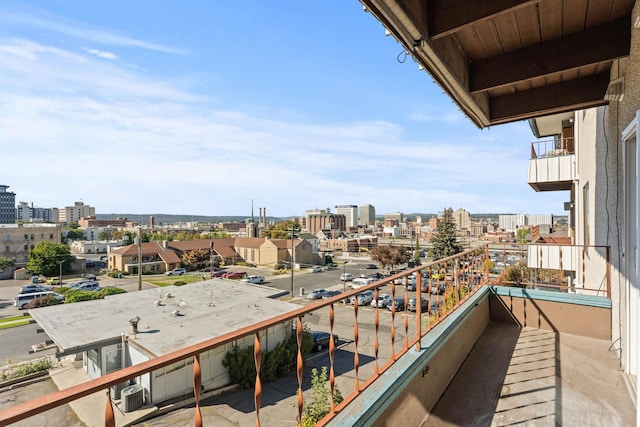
171, 317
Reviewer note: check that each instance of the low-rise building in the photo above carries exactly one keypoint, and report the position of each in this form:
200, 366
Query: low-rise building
127, 329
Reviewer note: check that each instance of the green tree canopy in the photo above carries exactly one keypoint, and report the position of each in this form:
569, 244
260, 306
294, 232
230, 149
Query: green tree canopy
444, 242
75, 234
45, 259
5, 262
281, 230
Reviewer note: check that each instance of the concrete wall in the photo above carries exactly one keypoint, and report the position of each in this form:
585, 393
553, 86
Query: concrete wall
588, 320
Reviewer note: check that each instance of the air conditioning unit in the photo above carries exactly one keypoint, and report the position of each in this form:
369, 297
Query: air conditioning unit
132, 398
116, 390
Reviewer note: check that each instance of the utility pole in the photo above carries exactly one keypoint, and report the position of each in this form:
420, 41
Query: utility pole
211, 256
140, 257
293, 254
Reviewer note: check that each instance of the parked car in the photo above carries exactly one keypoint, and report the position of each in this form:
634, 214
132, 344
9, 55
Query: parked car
413, 306
371, 266
377, 275
90, 276
315, 269
54, 281
22, 300
91, 285
346, 277
176, 272
331, 266
316, 294
28, 289
437, 288
219, 273
321, 340
330, 294
259, 280
398, 303
364, 298
382, 301
361, 281
234, 275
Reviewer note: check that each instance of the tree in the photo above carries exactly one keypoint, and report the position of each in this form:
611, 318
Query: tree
196, 259
416, 251
444, 242
282, 230
44, 259
75, 234
390, 255
522, 234
6, 262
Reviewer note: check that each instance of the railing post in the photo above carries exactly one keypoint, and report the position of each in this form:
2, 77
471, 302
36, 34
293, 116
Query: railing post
376, 342
356, 357
257, 358
332, 351
197, 384
299, 366
109, 420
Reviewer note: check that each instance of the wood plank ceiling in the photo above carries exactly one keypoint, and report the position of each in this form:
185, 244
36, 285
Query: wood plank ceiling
508, 60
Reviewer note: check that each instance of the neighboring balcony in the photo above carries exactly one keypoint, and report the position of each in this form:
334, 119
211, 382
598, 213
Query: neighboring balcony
553, 165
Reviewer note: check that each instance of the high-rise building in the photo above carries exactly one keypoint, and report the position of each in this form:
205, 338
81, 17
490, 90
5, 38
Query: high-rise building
462, 218
367, 215
7, 205
75, 212
350, 213
323, 220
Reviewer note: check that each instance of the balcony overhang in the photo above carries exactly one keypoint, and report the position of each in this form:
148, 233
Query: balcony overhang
508, 60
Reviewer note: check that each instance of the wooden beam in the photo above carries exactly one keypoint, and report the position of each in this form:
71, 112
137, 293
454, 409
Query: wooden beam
448, 16
577, 94
593, 46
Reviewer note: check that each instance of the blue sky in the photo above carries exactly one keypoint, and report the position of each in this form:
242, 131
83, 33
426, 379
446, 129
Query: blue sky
201, 107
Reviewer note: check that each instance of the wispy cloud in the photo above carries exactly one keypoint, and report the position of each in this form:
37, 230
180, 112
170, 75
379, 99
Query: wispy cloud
101, 54
84, 32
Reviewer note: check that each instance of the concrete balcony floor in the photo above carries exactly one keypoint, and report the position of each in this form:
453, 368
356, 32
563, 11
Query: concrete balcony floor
534, 377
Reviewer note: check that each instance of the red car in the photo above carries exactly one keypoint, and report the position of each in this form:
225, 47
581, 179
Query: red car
234, 275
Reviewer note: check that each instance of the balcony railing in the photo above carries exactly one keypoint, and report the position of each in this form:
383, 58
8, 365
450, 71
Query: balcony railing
552, 148
565, 268
459, 277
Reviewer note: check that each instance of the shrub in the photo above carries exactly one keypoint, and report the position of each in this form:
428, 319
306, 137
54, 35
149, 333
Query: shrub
319, 406
274, 364
179, 283
110, 290
74, 295
278, 267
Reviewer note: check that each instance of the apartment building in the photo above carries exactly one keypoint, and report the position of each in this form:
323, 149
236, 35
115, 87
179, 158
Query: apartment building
18, 239
350, 213
76, 212
367, 215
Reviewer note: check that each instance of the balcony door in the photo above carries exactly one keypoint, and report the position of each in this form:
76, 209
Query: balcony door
631, 295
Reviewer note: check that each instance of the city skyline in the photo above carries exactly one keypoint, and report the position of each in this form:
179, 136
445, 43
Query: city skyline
121, 107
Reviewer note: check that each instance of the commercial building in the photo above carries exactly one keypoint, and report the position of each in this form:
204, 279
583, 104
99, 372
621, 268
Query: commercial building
367, 215
350, 213
76, 212
7, 205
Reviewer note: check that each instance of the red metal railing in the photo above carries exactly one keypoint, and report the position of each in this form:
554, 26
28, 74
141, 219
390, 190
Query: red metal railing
464, 274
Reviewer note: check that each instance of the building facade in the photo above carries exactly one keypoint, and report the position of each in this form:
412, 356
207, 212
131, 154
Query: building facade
350, 213
76, 212
19, 239
367, 215
7, 205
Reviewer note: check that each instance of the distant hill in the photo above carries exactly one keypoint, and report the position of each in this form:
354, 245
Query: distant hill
161, 219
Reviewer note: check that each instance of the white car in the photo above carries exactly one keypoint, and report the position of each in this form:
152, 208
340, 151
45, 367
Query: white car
382, 302
363, 298
346, 277
315, 269
258, 280
176, 272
